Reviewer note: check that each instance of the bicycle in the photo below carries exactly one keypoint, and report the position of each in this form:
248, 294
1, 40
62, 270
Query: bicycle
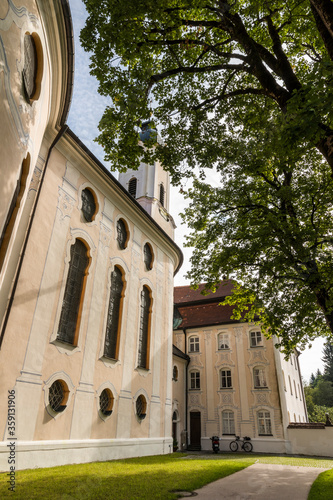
246, 445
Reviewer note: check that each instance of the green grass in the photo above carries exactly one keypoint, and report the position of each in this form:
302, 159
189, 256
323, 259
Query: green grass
148, 478
322, 488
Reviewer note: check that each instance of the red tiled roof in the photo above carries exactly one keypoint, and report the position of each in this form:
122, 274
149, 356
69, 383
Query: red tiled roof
210, 313
185, 294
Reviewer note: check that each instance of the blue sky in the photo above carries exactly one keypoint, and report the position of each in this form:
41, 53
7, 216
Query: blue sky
86, 110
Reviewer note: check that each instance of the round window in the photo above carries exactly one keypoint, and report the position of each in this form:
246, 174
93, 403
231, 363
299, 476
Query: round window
58, 395
106, 402
88, 204
122, 234
148, 256
141, 407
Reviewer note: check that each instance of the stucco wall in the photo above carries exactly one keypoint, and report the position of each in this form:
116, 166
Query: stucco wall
316, 442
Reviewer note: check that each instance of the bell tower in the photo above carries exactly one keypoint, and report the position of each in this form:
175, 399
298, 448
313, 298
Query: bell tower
150, 186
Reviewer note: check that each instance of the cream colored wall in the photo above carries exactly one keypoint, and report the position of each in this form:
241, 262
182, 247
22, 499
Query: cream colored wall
25, 129
315, 442
243, 399
38, 356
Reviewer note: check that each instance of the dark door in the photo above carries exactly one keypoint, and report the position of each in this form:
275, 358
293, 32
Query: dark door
195, 430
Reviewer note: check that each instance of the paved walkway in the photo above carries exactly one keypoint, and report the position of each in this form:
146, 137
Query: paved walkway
262, 482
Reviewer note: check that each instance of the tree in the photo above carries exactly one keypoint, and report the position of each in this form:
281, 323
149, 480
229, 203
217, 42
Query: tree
328, 361
246, 88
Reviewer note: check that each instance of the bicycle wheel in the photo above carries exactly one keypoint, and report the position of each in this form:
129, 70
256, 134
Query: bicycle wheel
233, 446
247, 446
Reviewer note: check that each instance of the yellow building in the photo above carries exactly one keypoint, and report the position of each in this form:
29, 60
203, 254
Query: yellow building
86, 330
237, 382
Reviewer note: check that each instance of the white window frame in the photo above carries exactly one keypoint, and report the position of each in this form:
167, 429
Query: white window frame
223, 341
256, 338
228, 423
264, 423
194, 344
259, 377
195, 380
225, 374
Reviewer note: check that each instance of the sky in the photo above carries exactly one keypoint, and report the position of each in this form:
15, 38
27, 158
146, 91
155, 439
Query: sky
85, 113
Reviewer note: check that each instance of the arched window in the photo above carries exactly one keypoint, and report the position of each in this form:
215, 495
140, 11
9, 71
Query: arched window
122, 234
148, 256
264, 423
259, 377
71, 307
88, 204
228, 422
162, 195
299, 391
226, 380
195, 380
113, 325
193, 344
132, 185
295, 389
13, 209
144, 334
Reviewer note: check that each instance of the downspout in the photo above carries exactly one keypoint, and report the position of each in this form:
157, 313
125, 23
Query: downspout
186, 390
25, 244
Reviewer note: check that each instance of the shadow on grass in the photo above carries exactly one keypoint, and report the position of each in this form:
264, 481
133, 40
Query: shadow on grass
149, 478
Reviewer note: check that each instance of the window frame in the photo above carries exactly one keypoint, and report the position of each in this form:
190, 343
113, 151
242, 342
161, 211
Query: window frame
144, 329
225, 378
225, 341
84, 275
259, 379
117, 317
229, 422
195, 380
133, 182
254, 342
267, 423
93, 194
122, 242
194, 342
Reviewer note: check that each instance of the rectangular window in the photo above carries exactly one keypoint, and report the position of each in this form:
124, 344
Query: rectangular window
255, 339
259, 377
228, 422
224, 341
195, 380
264, 423
194, 344
226, 381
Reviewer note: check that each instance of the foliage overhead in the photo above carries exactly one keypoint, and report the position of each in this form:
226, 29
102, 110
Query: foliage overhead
244, 88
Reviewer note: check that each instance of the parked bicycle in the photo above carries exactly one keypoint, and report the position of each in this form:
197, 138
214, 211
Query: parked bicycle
244, 444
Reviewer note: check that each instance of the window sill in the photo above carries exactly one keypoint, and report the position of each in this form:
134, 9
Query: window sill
142, 371
265, 435
65, 348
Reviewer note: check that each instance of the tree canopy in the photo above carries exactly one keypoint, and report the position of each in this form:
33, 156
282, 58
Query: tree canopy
244, 88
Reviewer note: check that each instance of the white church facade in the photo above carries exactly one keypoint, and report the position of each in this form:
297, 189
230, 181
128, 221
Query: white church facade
86, 332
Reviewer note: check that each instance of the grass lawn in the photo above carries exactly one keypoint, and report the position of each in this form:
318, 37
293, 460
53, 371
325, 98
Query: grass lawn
322, 488
148, 478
